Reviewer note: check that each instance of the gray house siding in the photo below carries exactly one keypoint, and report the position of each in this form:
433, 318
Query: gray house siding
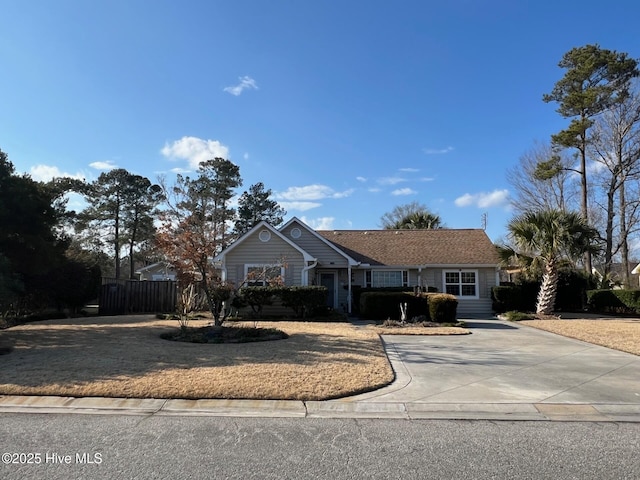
326, 255
467, 307
254, 251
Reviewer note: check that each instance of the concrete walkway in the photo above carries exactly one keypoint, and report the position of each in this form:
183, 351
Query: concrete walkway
503, 371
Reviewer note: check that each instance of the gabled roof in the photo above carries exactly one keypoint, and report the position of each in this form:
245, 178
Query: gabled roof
251, 232
415, 247
154, 266
316, 234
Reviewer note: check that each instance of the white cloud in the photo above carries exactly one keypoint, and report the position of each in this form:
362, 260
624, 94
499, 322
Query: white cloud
195, 150
409, 170
45, 173
106, 165
497, 198
180, 170
375, 190
300, 206
322, 223
404, 191
427, 179
594, 167
361, 179
391, 180
437, 151
311, 192
246, 82
246, 155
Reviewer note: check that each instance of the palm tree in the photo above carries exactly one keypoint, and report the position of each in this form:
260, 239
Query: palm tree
417, 221
548, 237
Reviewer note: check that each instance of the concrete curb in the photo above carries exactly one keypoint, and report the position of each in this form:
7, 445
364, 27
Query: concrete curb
322, 409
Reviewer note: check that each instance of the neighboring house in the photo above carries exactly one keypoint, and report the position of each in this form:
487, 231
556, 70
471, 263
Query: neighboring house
156, 272
461, 262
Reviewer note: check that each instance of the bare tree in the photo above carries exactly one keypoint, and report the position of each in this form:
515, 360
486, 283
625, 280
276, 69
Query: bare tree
535, 191
196, 226
615, 147
410, 216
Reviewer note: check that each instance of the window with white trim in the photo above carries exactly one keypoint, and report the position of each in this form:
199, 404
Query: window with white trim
461, 283
386, 278
258, 275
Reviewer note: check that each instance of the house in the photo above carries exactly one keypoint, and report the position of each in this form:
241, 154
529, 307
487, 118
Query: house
462, 262
156, 272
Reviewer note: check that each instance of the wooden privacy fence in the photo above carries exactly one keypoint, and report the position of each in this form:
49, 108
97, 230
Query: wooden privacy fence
120, 297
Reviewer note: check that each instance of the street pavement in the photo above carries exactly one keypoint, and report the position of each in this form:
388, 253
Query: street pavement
502, 371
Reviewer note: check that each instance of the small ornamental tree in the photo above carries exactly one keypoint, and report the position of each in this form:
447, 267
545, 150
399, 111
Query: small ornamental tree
195, 227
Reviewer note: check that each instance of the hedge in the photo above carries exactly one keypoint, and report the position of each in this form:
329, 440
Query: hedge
571, 294
614, 301
437, 307
303, 300
385, 305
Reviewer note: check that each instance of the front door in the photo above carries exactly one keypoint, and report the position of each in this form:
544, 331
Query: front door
328, 279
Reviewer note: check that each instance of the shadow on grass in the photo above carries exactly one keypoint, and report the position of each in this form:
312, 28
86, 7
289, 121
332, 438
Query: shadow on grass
67, 352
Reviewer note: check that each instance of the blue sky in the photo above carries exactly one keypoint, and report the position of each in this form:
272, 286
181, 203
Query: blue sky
344, 109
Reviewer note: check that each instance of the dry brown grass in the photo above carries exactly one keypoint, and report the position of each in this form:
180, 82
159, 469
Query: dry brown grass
125, 357
617, 333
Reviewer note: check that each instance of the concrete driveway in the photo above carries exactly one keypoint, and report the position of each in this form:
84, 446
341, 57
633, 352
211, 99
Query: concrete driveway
506, 367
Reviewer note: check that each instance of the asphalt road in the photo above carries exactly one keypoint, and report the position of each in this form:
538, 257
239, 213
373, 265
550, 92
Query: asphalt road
38, 446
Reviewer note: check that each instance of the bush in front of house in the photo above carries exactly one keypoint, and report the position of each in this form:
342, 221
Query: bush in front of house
303, 300
614, 301
382, 305
507, 298
443, 307
357, 291
573, 286
255, 297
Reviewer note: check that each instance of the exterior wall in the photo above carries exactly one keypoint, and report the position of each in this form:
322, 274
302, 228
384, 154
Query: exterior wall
326, 255
254, 251
432, 277
158, 272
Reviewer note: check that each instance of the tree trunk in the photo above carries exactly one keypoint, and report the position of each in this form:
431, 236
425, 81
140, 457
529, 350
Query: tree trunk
624, 239
608, 250
584, 205
547, 295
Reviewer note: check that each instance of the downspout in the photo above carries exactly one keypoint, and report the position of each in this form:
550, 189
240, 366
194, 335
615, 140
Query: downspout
349, 289
305, 272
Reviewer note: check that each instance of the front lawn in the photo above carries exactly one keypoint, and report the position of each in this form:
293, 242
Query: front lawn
126, 357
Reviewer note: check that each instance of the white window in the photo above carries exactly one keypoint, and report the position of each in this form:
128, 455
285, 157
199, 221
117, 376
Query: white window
263, 275
461, 283
386, 278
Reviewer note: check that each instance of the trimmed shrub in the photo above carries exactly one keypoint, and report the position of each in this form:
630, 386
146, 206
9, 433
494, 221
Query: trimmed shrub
303, 300
357, 291
381, 305
443, 307
256, 297
507, 298
614, 301
572, 290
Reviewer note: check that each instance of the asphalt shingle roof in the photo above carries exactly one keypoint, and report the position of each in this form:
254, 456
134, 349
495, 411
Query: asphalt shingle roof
415, 247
